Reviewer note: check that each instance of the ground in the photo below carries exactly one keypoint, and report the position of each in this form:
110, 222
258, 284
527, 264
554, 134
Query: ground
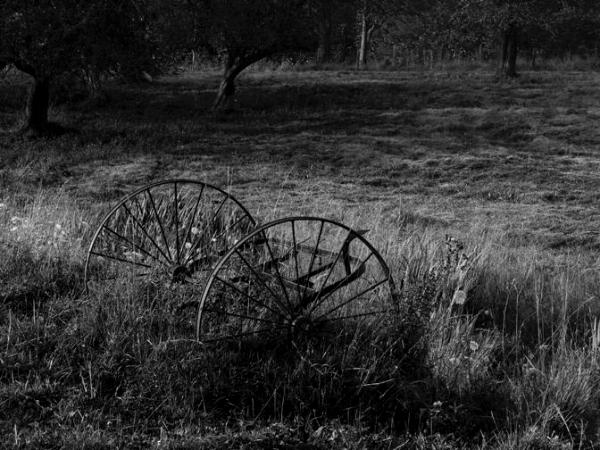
510, 168
454, 149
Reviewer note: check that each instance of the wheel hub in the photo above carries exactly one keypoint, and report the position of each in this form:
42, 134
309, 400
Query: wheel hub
181, 274
301, 324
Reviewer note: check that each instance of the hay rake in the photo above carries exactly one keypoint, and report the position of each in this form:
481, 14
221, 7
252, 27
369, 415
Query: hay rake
294, 276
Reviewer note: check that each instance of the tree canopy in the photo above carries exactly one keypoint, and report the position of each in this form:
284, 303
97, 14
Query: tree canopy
48, 38
242, 32
502, 27
45, 39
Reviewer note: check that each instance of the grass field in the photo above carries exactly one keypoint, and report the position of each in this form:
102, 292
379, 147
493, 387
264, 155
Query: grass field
508, 168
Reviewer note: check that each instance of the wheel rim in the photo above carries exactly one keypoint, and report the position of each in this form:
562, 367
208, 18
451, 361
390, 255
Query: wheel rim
297, 276
170, 232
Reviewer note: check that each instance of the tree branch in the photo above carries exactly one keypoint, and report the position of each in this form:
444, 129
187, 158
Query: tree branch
24, 67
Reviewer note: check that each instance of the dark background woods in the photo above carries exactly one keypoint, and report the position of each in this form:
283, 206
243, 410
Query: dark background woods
136, 39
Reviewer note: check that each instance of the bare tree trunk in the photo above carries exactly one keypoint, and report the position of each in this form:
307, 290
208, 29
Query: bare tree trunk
233, 67
513, 49
37, 106
503, 53
324, 49
226, 90
348, 42
324, 32
361, 62
533, 58
510, 48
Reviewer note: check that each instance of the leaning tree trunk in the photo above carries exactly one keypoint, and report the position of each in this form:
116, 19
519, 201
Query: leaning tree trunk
37, 106
226, 91
233, 67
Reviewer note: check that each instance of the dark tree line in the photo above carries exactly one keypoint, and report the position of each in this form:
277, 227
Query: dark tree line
96, 39
502, 29
47, 39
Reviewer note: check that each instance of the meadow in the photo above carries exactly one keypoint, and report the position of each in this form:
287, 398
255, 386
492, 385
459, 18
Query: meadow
465, 182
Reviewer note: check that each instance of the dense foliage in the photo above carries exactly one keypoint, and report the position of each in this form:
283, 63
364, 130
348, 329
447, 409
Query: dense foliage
410, 31
503, 28
91, 39
242, 32
47, 39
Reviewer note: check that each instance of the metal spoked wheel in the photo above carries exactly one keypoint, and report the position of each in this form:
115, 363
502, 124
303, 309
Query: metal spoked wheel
167, 233
298, 276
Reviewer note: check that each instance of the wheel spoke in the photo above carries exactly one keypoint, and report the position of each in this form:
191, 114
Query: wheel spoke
116, 258
335, 261
198, 241
279, 277
295, 250
176, 220
162, 230
319, 300
191, 220
219, 208
259, 278
351, 299
187, 260
143, 229
235, 288
143, 212
230, 227
137, 247
313, 256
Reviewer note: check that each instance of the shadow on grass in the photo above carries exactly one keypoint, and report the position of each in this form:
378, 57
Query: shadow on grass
466, 136
277, 102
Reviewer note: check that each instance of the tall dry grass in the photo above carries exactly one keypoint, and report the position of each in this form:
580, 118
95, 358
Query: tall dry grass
492, 339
